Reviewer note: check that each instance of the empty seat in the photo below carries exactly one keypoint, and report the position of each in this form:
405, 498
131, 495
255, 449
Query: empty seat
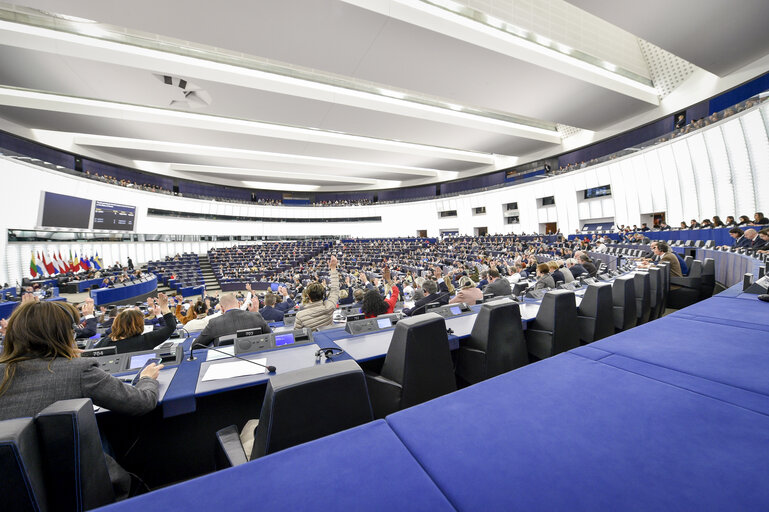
21, 471
595, 313
708, 281
417, 367
496, 344
76, 472
642, 297
685, 291
623, 299
688, 260
555, 329
655, 293
301, 406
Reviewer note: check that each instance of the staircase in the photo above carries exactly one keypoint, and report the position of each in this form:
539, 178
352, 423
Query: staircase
212, 285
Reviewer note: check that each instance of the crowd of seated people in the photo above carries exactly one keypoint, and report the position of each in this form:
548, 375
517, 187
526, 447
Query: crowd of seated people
127, 183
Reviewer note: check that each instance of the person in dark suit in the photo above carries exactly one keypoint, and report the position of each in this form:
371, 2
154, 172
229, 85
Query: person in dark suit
763, 246
588, 265
40, 365
432, 294
87, 322
130, 264
739, 238
128, 329
575, 268
286, 304
232, 320
498, 286
270, 312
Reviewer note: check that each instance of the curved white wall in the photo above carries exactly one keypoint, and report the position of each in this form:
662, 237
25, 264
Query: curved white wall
715, 171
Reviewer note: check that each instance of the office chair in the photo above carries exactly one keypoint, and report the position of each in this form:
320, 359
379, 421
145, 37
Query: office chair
22, 479
301, 406
74, 463
642, 287
688, 288
496, 344
623, 295
595, 313
556, 328
417, 367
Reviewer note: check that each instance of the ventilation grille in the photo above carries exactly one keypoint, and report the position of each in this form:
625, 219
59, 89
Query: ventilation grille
667, 71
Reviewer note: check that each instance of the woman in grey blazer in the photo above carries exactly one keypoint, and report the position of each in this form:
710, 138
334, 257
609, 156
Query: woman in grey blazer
40, 365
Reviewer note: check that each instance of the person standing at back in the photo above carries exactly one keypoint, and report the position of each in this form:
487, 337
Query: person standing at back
319, 312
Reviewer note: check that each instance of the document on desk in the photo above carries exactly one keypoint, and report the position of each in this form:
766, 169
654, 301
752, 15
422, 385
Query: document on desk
213, 355
237, 368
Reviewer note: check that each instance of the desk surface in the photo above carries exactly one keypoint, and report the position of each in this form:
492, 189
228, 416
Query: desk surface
327, 474
571, 434
285, 360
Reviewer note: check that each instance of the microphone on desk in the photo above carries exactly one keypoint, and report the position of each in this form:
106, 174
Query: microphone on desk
269, 368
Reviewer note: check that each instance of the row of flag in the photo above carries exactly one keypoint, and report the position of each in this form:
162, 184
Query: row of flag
56, 264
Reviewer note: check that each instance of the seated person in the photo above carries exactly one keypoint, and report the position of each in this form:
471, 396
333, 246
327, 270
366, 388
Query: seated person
128, 329
205, 315
283, 302
694, 224
358, 295
565, 272
544, 279
373, 302
665, 255
40, 365
269, 312
467, 293
319, 312
232, 320
88, 322
744, 221
588, 265
431, 294
730, 221
740, 241
761, 245
555, 273
497, 286
717, 222
759, 219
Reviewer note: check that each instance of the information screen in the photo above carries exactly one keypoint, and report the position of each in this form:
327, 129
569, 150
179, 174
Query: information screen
383, 323
113, 216
283, 339
138, 361
455, 310
60, 211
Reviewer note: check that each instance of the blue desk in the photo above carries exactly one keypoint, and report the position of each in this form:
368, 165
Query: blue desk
327, 474
569, 433
6, 308
124, 293
730, 266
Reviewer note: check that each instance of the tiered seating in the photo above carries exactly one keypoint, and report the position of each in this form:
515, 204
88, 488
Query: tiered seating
182, 273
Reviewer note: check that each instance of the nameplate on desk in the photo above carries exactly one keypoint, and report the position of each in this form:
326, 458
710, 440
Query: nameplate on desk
98, 352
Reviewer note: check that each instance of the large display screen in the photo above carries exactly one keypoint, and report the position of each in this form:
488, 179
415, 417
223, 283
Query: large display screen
113, 216
60, 211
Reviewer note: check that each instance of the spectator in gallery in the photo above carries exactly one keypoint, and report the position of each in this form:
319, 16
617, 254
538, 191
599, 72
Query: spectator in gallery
730, 222
717, 223
706, 224
663, 226
744, 220
759, 219
694, 224
683, 225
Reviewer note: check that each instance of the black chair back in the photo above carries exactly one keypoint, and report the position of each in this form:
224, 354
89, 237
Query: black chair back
708, 279
655, 292
496, 344
642, 297
595, 316
623, 296
556, 327
22, 480
75, 466
311, 403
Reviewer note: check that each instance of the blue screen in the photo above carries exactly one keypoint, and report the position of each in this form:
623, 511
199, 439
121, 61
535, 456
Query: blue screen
383, 323
284, 339
138, 361
455, 310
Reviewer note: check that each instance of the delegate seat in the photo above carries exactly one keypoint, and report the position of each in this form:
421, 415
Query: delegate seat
556, 328
623, 298
685, 291
642, 287
708, 278
22, 480
301, 406
496, 344
688, 260
417, 367
665, 268
595, 313
655, 293
74, 463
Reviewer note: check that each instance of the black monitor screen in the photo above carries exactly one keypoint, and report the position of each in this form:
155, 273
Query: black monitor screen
60, 211
113, 216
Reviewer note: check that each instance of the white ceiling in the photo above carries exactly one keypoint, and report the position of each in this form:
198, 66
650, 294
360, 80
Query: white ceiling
405, 46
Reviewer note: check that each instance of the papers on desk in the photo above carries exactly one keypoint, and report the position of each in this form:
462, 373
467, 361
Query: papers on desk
236, 368
213, 355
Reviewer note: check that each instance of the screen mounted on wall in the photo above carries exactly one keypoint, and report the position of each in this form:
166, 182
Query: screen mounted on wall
108, 215
60, 211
